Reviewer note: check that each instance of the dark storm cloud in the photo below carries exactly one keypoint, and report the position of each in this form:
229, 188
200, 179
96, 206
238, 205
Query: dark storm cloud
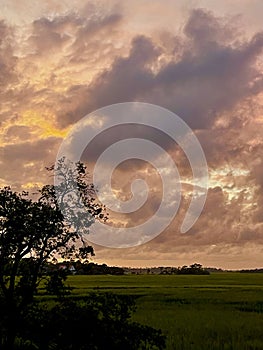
121, 132
122, 82
212, 74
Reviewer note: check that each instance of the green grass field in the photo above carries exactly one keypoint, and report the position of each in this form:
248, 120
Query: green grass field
220, 311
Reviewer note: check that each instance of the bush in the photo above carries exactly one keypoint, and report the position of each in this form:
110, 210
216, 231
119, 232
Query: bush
96, 322
56, 283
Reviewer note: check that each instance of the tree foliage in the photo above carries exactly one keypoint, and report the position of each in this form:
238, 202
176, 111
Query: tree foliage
194, 269
38, 230
35, 232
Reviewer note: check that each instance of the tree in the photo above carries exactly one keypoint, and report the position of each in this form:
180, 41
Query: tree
194, 269
35, 232
75, 196
37, 229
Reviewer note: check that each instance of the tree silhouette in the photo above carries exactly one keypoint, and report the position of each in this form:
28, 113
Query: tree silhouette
38, 230
35, 232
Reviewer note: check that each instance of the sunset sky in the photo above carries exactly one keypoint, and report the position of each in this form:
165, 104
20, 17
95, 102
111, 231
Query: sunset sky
60, 60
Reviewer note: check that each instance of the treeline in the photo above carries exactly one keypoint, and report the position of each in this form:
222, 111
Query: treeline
77, 267
86, 268
251, 271
69, 267
194, 269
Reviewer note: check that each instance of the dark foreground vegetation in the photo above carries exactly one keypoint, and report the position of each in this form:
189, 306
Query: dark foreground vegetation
34, 233
97, 321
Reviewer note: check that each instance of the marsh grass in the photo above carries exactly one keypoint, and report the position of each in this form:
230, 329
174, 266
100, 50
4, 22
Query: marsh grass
219, 311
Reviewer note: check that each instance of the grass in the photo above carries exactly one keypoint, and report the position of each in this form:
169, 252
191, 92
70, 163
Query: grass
220, 311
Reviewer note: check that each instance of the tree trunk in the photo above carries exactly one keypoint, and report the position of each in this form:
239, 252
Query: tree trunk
12, 327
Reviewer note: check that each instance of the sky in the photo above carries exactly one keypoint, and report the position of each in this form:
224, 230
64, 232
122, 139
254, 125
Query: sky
202, 60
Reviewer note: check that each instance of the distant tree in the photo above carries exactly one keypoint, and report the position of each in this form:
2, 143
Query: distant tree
194, 269
96, 269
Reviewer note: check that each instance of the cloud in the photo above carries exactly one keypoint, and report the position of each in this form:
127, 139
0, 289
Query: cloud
17, 133
212, 74
28, 151
208, 83
72, 38
49, 35
120, 83
209, 72
25, 162
7, 58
